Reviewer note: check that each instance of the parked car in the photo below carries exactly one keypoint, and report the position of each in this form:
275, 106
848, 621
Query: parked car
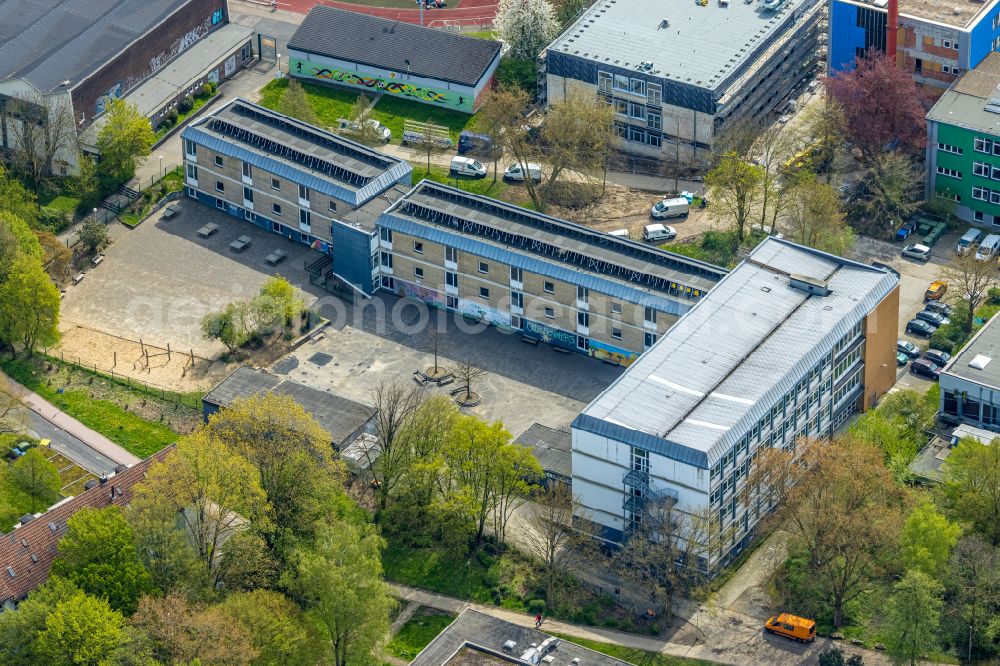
939, 307
516, 174
920, 327
378, 129
968, 240
936, 291
925, 368
937, 357
652, 233
908, 348
988, 248
667, 208
791, 626
902, 359
466, 166
905, 230
470, 142
935, 318
917, 251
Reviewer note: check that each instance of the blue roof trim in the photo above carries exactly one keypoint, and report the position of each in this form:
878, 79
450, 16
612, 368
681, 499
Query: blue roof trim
401, 172
641, 440
535, 265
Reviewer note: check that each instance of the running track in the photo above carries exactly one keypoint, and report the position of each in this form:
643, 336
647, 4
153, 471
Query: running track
468, 12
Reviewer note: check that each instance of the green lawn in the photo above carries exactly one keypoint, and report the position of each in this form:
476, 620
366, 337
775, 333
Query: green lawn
482, 34
632, 655
64, 203
440, 174
436, 570
104, 413
198, 103
418, 631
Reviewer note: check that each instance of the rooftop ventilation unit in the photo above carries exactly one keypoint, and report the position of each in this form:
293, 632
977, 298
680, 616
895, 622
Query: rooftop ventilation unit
980, 362
993, 106
808, 284
509, 645
664, 23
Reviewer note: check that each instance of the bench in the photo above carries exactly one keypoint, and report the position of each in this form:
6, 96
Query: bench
276, 256
78, 278
240, 244
97, 260
208, 230
447, 380
529, 340
170, 211
561, 350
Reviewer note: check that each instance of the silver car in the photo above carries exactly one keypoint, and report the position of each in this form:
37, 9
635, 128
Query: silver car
917, 251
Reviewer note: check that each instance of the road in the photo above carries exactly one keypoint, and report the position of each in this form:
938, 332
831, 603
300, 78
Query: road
69, 446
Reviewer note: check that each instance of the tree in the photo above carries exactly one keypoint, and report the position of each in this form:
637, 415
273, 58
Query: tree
500, 116
166, 550
275, 626
81, 631
844, 514
825, 124
16, 200
568, 11
98, 555
364, 131
17, 239
912, 618
40, 129
57, 259
93, 234
972, 486
974, 593
467, 371
13, 415
339, 581
295, 102
429, 143
187, 633
516, 473
394, 405
734, 187
281, 291
770, 148
526, 25
815, 218
213, 492
890, 193
551, 538
37, 477
882, 105
293, 456
927, 539
19, 631
125, 137
228, 326
970, 279
29, 306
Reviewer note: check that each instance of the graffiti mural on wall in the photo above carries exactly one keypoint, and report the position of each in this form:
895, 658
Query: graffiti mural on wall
550, 335
606, 352
484, 313
307, 69
410, 290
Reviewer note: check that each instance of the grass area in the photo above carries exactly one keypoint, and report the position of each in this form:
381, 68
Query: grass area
631, 654
63, 203
199, 102
330, 104
482, 34
124, 415
716, 247
437, 570
417, 632
440, 174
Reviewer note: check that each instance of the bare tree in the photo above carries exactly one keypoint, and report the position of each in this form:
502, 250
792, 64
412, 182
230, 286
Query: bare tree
40, 130
394, 405
970, 279
770, 148
362, 130
13, 415
550, 537
434, 346
826, 126
466, 372
500, 117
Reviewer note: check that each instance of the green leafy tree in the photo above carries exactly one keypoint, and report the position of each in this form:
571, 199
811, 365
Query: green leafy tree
93, 234
276, 627
912, 616
125, 137
500, 113
892, 192
18, 631
229, 326
81, 631
281, 291
37, 477
973, 583
17, 200
98, 554
972, 279
339, 580
18, 239
815, 218
166, 550
927, 539
29, 306
734, 188
972, 486
295, 103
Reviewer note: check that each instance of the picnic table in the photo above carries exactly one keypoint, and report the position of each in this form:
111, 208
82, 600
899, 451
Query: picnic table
240, 244
170, 211
208, 230
276, 256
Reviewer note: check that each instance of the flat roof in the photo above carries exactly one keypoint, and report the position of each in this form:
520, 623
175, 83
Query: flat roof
553, 448
672, 35
579, 248
340, 417
393, 45
948, 12
320, 159
724, 364
477, 638
964, 104
983, 350
47, 42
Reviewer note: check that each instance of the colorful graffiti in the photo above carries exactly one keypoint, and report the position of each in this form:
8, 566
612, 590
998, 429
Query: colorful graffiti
484, 313
410, 290
553, 336
306, 69
606, 352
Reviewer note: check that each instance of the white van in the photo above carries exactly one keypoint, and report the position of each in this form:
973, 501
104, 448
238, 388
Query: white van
667, 208
514, 172
466, 166
968, 240
989, 247
620, 233
652, 233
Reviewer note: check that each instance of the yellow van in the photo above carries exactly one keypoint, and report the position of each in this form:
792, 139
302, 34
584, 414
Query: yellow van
792, 626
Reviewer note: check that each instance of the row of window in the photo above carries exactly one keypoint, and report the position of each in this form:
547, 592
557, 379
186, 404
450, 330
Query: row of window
988, 146
984, 170
606, 82
638, 135
848, 387
220, 186
951, 173
948, 148
985, 194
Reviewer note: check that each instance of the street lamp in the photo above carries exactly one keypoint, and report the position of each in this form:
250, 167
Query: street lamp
278, 74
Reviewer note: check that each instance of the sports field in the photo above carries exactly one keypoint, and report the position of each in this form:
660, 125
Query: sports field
469, 14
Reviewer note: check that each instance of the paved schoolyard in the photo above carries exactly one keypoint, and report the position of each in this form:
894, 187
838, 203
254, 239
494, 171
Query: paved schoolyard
159, 279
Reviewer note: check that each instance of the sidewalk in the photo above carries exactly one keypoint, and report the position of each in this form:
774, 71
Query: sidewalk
92, 439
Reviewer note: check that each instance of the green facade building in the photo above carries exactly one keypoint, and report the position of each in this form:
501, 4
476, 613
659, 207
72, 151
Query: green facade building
963, 145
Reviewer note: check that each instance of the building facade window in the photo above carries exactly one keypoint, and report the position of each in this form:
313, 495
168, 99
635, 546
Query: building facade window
418, 272
218, 160
981, 169
549, 287
946, 148
516, 275
951, 173
649, 315
981, 145
616, 307
654, 94
484, 292
276, 209
654, 121
451, 254
275, 184
220, 186
604, 82
451, 279
484, 267
385, 234
616, 333
550, 313
418, 247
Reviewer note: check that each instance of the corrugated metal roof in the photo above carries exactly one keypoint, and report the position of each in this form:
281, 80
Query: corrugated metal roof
723, 365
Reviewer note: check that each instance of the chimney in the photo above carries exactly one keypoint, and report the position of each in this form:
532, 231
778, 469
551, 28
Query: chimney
891, 28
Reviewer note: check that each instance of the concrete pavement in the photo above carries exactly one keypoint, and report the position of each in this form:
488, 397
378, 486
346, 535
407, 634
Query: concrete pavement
68, 445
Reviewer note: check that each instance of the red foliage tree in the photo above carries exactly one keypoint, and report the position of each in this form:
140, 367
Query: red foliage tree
882, 104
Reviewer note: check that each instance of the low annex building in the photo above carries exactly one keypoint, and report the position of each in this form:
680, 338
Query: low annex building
788, 345
387, 57
970, 383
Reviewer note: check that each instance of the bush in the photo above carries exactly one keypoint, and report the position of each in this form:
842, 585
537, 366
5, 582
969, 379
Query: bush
993, 296
186, 104
173, 115
205, 91
56, 220
536, 605
522, 73
213, 85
